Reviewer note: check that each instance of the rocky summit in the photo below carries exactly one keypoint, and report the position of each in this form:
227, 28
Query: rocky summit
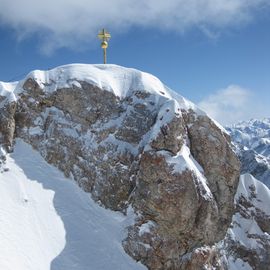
130, 141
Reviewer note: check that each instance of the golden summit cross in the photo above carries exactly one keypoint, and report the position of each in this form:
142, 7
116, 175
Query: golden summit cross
104, 36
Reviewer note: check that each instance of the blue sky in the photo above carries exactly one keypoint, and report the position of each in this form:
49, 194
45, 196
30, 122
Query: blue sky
214, 52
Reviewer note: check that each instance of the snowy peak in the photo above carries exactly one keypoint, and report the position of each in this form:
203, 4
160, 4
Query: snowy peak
120, 81
128, 140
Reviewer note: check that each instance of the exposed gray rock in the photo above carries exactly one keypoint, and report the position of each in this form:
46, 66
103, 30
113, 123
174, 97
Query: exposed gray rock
7, 124
69, 128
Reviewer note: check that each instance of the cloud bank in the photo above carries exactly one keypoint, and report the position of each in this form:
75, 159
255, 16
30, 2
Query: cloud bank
233, 104
68, 23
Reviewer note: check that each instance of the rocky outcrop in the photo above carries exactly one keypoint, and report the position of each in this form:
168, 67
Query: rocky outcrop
87, 133
134, 142
212, 149
179, 211
7, 125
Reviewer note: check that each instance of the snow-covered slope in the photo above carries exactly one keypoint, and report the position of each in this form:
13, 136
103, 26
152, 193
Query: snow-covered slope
48, 222
248, 240
252, 142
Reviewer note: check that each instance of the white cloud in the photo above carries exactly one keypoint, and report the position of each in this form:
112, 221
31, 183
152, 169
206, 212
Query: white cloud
69, 23
234, 104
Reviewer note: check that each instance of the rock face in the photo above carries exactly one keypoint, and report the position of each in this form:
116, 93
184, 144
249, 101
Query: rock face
129, 140
183, 209
7, 122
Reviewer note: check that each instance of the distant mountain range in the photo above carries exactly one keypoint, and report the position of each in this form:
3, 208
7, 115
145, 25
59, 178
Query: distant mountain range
252, 143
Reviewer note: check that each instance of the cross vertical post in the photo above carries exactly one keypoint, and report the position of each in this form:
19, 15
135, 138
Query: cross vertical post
104, 56
104, 36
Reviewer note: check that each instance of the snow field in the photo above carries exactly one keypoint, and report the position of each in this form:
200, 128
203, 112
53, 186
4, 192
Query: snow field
48, 223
